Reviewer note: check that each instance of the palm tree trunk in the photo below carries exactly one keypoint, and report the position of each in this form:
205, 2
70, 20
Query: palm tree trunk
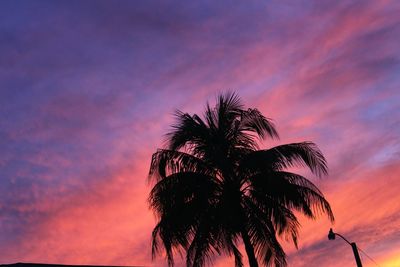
249, 249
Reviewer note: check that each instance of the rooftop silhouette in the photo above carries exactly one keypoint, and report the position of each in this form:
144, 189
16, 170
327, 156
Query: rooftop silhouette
28, 264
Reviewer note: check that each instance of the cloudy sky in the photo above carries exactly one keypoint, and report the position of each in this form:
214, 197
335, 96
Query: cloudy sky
87, 89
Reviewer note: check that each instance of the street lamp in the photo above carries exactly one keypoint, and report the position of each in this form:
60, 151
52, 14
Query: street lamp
331, 236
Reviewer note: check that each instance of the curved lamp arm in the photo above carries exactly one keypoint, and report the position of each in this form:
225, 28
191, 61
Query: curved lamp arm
332, 235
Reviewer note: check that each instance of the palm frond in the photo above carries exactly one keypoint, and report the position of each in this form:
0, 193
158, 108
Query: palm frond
162, 234
253, 121
188, 130
185, 194
305, 154
262, 234
228, 107
283, 219
203, 245
180, 201
293, 191
165, 162
229, 243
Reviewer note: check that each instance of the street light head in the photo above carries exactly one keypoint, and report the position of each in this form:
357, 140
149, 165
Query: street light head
331, 235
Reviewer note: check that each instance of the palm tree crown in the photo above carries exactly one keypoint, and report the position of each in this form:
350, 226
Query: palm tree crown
215, 188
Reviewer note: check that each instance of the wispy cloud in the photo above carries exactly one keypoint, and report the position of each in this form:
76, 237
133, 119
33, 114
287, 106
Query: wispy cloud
88, 90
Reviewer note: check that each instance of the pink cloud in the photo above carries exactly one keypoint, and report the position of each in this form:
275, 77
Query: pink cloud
315, 75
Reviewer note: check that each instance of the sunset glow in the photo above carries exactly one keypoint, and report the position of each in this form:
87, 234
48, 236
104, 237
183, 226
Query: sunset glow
88, 89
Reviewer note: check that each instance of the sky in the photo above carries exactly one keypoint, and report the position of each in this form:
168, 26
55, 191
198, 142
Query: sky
88, 89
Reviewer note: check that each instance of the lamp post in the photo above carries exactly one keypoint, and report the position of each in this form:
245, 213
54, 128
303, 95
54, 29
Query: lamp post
332, 235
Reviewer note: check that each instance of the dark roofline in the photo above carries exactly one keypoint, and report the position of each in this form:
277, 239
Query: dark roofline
27, 264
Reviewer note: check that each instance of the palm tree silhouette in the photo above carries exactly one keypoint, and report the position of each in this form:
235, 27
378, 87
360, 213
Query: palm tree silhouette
214, 188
